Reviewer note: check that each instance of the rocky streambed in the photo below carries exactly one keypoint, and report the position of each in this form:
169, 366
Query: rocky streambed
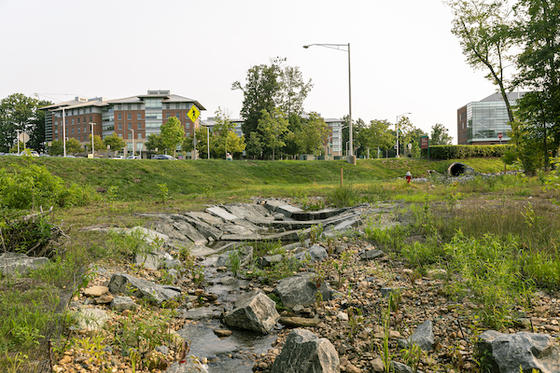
278, 289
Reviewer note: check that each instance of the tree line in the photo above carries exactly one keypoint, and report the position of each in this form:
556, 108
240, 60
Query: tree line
517, 44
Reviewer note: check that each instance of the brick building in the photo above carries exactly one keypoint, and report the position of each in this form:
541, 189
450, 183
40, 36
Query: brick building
137, 116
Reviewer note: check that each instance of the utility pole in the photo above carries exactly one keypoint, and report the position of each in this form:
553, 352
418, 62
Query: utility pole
208, 140
132, 143
17, 132
92, 142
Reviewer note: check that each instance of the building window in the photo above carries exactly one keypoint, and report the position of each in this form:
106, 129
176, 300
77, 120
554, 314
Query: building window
129, 125
167, 116
130, 136
138, 116
120, 126
91, 118
72, 121
139, 126
178, 115
119, 117
78, 120
139, 135
129, 116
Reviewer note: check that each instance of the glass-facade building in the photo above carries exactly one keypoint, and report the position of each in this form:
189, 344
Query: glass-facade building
483, 121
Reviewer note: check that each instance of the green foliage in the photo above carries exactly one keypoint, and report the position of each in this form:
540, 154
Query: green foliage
234, 262
440, 135
172, 134
466, 151
376, 135
27, 236
344, 196
163, 192
31, 186
312, 135
153, 142
56, 148
115, 142
73, 146
97, 143
273, 126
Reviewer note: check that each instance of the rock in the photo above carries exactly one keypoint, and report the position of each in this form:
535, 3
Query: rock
148, 260
371, 254
506, 353
253, 311
91, 319
221, 213
269, 260
342, 316
315, 253
123, 303
397, 367
301, 290
305, 352
297, 322
162, 349
96, 291
148, 235
377, 365
386, 291
16, 263
202, 313
155, 293
190, 364
423, 336
223, 332
245, 257
104, 299
351, 368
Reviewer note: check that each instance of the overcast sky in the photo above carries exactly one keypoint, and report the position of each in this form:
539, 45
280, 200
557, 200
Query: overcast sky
404, 58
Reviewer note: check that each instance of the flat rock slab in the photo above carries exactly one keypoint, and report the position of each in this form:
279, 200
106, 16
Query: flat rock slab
122, 303
221, 213
305, 352
281, 207
191, 364
96, 291
371, 254
91, 319
317, 215
203, 313
16, 263
121, 283
299, 322
507, 353
423, 336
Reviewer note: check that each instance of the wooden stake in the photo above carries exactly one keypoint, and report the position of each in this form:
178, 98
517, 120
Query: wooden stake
341, 176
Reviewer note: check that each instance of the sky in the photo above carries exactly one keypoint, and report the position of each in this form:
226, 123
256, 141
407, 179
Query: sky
404, 58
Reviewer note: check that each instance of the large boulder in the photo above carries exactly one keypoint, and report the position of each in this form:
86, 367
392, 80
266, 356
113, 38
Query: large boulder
253, 311
16, 263
190, 364
121, 283
245, 254
423, 336
301, 290
507, 353
304, 352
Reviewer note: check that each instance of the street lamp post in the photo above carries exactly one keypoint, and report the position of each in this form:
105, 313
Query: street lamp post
92, 142
131, 130
344, 47
64, 131
397, 125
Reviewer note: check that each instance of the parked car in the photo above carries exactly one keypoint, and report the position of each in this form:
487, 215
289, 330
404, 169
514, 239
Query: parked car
133, 157
118, 157
163, 157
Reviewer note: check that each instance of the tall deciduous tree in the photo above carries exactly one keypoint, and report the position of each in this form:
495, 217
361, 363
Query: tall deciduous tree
312, 136
20, 113
440, 135
273, 127
172, 134
483, 28
97, 142
377, 136
538, 26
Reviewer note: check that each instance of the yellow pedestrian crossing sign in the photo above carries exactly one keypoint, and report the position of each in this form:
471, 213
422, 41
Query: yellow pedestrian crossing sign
193, 113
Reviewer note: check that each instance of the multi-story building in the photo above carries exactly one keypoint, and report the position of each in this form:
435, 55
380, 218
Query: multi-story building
135, 116
334, 142
210, 122
483, 122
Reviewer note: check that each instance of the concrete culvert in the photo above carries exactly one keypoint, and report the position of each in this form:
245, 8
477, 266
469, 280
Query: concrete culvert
457, 169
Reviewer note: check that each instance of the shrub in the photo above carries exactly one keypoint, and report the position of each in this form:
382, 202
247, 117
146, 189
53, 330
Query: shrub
30, 186
466, 151
343, 197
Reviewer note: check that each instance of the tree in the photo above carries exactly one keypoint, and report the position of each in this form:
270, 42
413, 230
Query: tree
273, 126
293, 90
484, 31
377, 136
312, 135
56, 148
73, 146
357, 126
97, 142
538, 27
172, 134
114, 142
440, 135
20, 113
254, 147
260, 92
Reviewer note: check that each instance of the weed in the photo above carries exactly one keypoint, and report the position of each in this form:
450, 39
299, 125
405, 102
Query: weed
163, 192
343, 197
315, 233
411, 356
234, 262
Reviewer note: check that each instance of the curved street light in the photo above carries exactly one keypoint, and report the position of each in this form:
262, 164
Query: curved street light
344, 48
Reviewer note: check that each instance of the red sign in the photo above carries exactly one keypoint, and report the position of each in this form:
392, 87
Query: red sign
424, 142
500, 135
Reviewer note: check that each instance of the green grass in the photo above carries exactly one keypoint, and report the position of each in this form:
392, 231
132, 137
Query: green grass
139, 179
